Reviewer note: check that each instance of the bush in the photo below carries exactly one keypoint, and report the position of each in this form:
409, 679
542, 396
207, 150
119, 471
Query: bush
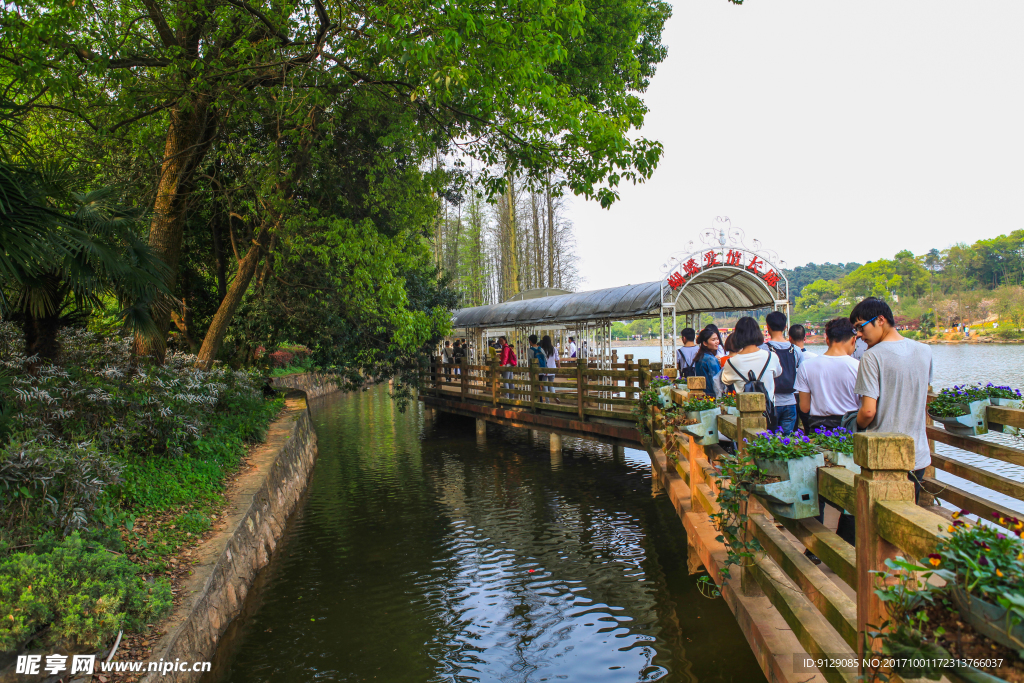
910, 334
82, 592
280, 359
60, 486
1007, 333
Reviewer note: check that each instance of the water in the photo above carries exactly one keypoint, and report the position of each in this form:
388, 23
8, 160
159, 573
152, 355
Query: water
418, 555
1001, 364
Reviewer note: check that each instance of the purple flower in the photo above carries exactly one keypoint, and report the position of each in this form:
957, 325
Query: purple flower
983, 561
785, 442
1000, 536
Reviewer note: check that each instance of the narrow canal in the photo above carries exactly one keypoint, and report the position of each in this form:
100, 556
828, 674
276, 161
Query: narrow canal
420, 555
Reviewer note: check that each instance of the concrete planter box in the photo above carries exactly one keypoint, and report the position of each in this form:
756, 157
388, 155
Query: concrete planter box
842, 460
706, 430
730, 410
796, 496
1006, 403
973, 422
988, 619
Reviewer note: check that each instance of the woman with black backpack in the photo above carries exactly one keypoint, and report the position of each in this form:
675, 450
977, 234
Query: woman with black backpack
753, 369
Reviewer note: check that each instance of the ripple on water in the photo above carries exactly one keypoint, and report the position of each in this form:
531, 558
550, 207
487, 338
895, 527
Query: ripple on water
418, 555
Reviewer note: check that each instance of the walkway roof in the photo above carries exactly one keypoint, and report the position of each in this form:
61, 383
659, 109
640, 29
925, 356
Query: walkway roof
717, 289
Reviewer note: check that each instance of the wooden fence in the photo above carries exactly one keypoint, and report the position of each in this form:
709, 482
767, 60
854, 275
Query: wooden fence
824, 618
579, 391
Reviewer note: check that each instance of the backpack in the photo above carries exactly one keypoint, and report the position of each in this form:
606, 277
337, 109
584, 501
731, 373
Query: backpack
785, 382
512, 360
687, 370
538, 353
754, 385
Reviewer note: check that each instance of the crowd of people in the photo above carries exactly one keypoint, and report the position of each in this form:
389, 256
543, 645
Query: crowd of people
871, 378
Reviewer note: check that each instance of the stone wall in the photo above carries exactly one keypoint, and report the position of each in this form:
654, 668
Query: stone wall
261, 502
315, 384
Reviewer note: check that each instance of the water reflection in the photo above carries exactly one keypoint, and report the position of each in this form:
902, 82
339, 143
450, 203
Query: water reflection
421, 554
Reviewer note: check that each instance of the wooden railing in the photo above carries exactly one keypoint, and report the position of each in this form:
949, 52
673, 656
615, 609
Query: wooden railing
580, 390
823, 617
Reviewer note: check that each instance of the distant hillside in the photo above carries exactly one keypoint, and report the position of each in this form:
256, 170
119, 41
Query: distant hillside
801, 276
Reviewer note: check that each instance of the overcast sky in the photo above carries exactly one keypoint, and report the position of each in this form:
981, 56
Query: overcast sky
831, 131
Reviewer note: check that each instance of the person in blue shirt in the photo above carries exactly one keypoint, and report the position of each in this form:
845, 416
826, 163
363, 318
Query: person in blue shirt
706, 362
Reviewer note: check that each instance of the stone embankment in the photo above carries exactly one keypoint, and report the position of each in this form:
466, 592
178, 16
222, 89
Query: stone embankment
260, 504
314, 384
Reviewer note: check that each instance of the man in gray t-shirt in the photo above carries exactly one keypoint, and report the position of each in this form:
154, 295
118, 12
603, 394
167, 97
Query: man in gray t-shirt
892, 380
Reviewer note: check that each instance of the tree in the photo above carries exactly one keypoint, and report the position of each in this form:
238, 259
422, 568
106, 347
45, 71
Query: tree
64, 251
538, 87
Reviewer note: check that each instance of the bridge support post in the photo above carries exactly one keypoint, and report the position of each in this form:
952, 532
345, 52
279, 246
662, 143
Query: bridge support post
556, 443
619, 453
752, 407
481, 430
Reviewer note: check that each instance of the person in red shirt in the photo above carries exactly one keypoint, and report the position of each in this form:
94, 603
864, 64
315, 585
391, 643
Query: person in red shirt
507, 357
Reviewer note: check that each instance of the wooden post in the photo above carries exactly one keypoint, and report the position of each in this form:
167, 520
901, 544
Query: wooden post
533, 384
438, 375
885, 460
581, 387
494, 382
464, 377
751, 407
696, 386
629, 377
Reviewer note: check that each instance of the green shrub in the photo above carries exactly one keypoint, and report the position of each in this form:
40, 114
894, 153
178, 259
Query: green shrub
910, 334
82, 592
1007, 333
193, 522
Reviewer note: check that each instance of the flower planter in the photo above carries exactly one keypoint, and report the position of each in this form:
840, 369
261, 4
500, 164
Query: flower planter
796, 496
973, 422
1006, 403
705, 432
665, 395
842, 460
730, 410
987, 619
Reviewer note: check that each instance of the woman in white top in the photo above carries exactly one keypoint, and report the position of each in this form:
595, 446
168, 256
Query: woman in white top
552, 354
750, 362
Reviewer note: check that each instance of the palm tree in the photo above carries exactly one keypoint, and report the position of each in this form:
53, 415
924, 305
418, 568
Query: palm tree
64, 251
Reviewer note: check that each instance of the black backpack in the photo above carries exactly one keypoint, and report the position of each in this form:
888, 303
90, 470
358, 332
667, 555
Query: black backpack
687, 370
754, 385
785, 382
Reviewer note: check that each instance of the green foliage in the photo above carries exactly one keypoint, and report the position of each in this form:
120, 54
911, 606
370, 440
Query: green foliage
778, 446
74, 591
801, 276
983, 560
95, 443
727, 400
738, 474
952, 401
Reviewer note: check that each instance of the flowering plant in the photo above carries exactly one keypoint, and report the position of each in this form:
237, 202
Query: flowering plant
777, 446
698, 403
1003, 392
839, 440
980, 558
727, 400
952, 402
660, 381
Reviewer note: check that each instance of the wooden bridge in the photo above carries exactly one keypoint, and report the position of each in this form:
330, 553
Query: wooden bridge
789, 608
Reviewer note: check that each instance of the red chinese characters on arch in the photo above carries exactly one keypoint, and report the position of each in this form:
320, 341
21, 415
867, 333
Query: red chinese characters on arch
733, 257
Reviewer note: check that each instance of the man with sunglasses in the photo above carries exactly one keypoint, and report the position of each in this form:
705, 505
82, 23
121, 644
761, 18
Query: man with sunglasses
892, 381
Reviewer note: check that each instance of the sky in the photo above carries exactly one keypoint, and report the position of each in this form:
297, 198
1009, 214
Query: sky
830, 131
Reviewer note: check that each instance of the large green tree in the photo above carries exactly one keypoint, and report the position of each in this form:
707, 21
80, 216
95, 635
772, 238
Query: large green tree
535, 85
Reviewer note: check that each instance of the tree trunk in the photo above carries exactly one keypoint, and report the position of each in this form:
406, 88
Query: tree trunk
551, 239
222, 319
189, 136
513, 266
